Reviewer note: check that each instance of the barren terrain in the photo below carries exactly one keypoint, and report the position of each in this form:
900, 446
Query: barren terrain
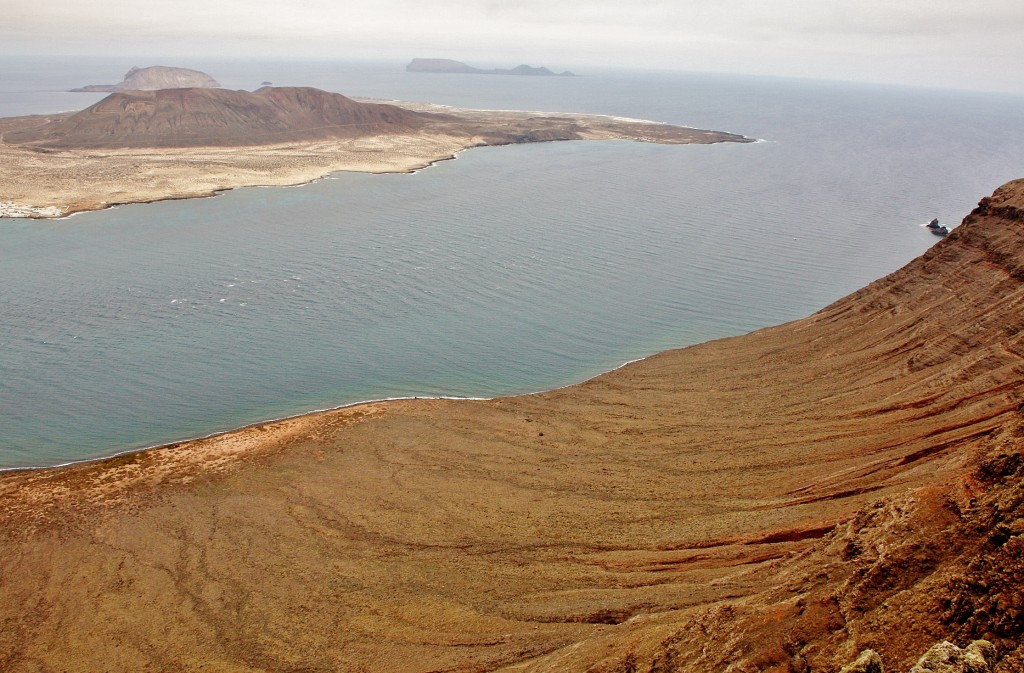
772, 502
136, 147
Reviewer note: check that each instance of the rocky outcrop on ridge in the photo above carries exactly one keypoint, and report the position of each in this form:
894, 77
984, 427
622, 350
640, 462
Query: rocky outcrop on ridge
944, 657
156, 77
867, 662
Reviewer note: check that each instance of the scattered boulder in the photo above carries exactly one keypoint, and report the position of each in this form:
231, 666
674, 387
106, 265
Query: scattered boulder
868, 662
945, 657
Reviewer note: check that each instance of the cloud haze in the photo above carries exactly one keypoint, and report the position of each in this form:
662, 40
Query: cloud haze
936, 43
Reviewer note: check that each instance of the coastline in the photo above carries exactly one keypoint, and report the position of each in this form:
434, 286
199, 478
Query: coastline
11, 211
698, 506
189, 174
44, 183
313, 412
239, 429
149, 175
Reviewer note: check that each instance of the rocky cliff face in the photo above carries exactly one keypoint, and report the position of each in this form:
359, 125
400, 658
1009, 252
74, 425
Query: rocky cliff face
779, 502
157, 77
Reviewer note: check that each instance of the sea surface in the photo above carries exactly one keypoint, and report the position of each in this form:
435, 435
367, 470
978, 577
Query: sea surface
508, 270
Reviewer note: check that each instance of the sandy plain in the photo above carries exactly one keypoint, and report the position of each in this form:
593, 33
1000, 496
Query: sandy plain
41, 182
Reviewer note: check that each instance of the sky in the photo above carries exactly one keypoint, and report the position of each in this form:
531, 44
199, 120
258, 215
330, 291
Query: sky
964, 44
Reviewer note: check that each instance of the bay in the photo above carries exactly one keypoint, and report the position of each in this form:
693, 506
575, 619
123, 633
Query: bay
508, 270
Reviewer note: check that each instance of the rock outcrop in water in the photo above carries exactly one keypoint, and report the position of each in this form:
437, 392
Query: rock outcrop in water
156, 77
777, 502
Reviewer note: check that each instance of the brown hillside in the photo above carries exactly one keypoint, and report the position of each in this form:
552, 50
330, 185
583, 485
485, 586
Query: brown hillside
192, 117
772, 502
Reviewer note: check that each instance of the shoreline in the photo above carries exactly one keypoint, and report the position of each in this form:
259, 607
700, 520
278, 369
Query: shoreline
238, 429
289, 165
19, 211
43, 182
215, 193
695, 509
316, 412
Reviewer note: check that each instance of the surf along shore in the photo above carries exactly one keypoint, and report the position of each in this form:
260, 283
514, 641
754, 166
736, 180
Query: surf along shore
54, 176
785, 496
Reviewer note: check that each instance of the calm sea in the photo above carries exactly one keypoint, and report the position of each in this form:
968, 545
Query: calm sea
508, 270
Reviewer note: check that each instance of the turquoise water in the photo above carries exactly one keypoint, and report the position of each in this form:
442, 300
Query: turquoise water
508, 270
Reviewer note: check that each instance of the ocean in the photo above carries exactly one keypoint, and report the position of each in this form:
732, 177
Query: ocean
508, 270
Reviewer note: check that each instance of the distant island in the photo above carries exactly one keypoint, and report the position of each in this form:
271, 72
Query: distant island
139, 146
447, 65
154, 78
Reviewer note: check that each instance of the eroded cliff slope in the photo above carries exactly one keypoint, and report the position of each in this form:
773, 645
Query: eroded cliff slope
772, 502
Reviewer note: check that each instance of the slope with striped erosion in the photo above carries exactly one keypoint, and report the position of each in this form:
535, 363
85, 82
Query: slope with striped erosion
772, 502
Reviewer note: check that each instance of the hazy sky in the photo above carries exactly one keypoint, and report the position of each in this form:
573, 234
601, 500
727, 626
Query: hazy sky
975, 44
